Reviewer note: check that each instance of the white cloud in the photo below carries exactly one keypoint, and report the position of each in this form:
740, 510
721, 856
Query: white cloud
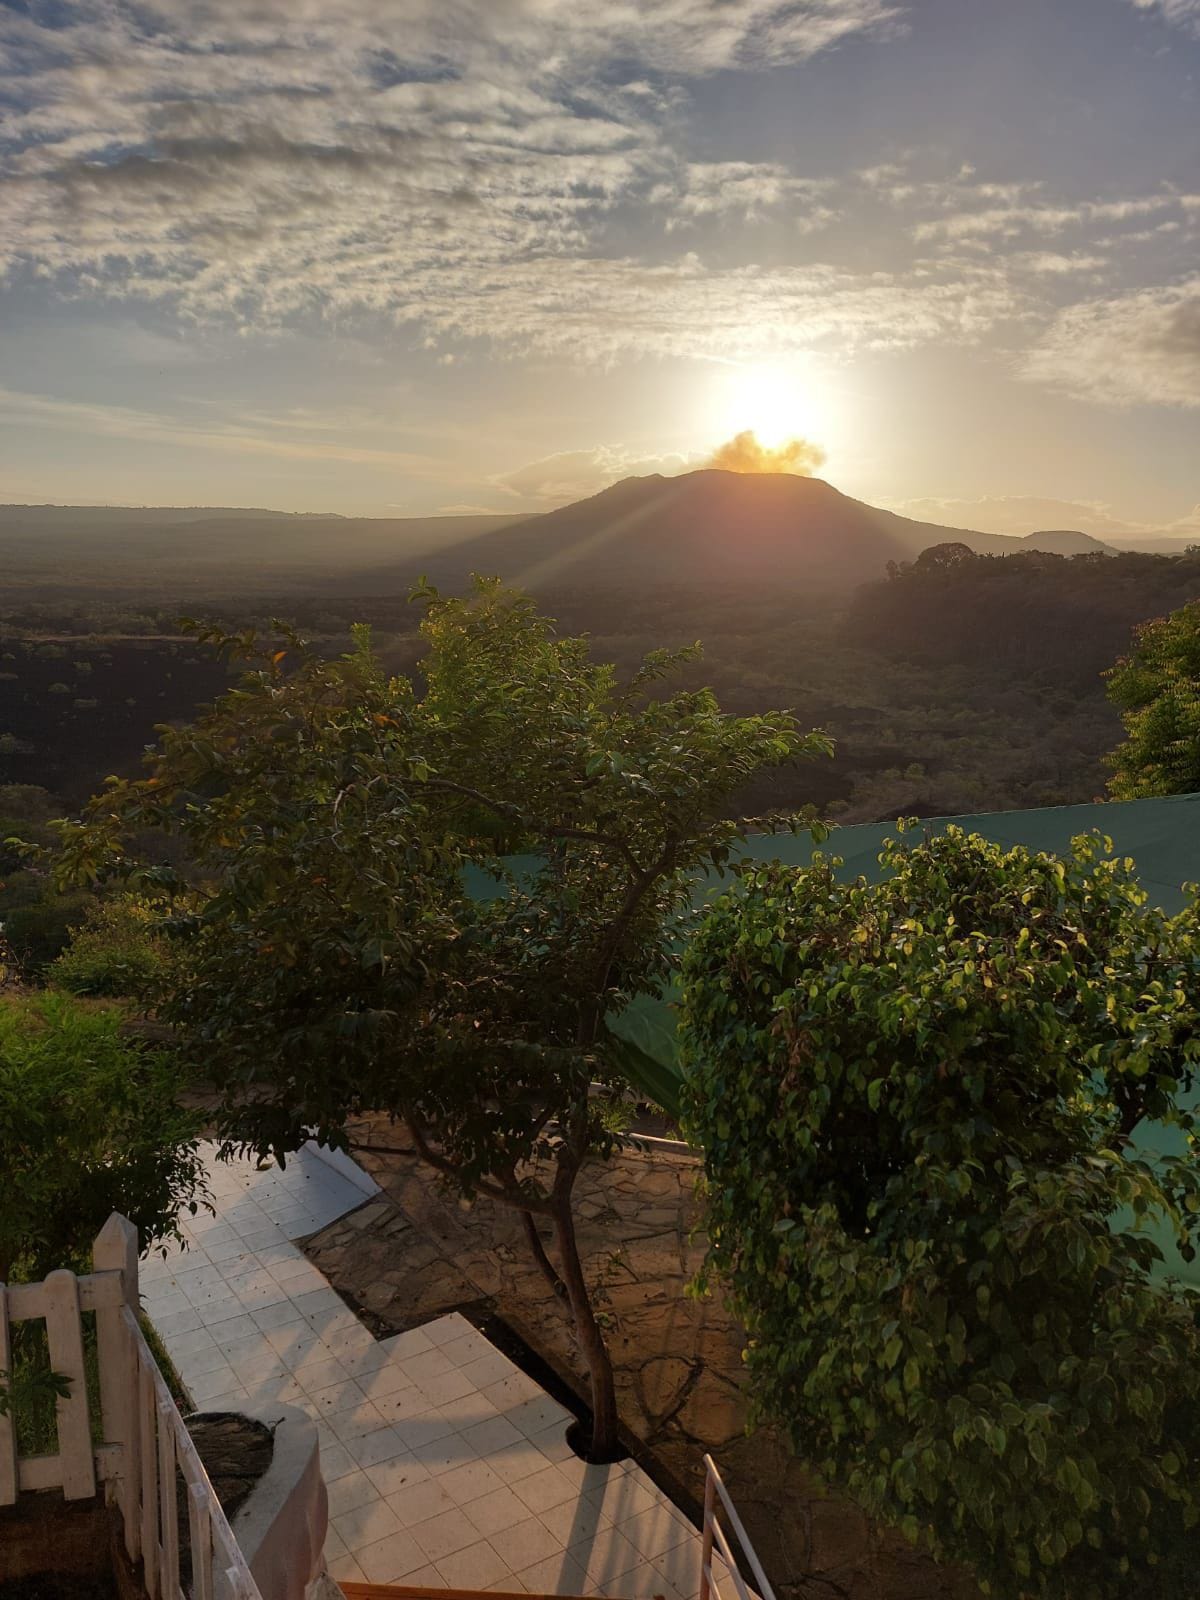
572, 474
1027, 213
1185, 13
747, 192
1018, 515
511, 172
1141, 348
296, 438
260, 162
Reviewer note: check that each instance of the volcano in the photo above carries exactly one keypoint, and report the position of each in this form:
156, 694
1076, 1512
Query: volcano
709, 528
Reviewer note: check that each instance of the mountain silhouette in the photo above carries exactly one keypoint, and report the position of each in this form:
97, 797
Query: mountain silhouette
712, 528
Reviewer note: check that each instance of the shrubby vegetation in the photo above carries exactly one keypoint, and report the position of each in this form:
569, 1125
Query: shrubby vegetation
916, 1100
35, 916
89, 1124
1030, 613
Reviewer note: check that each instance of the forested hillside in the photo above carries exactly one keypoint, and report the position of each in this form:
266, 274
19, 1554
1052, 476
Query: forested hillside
1033, 614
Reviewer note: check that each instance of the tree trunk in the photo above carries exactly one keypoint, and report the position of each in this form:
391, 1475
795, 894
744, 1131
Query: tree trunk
604, 1445
538, 1251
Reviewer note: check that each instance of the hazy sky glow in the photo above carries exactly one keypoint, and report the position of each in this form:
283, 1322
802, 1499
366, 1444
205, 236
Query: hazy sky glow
390, 256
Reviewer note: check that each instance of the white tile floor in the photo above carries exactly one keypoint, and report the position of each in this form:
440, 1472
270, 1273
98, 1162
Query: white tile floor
446, 1465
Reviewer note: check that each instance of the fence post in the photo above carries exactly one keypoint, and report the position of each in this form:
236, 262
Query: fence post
148, 1425
64, 1335
9, 1481
706, 1536
116, 1250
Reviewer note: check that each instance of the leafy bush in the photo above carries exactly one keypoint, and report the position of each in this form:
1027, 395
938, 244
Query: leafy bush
39, 929
916, 1100
1157, 688
117, 950
88, 1125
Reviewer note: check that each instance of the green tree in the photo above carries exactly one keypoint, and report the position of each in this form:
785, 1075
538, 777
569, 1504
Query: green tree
1157, 688
916, 1100
367, 943
88, 1125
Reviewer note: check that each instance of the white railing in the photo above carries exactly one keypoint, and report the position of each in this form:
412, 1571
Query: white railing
143, 1443
716, 1499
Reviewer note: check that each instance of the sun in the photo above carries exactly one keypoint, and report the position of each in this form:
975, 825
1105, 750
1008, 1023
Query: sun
776, 401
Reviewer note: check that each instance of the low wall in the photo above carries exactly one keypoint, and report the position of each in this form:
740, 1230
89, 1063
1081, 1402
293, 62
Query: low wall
281, 1527
346, 1166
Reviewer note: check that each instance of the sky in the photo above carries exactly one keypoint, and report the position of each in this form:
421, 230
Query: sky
404, 257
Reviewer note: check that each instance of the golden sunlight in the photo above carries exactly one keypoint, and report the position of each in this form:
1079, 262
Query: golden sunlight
773, 401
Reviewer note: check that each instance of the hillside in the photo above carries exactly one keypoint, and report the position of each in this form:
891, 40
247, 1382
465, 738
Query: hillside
1055, 542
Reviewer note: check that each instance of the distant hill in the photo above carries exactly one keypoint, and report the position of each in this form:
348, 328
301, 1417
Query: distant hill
711, 527
1062, 542
174, 552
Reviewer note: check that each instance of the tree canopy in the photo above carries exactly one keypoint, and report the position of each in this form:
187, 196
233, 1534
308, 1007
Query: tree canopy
915, 1099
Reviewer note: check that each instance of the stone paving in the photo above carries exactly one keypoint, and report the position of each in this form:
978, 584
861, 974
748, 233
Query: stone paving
446, 1466
415, 1252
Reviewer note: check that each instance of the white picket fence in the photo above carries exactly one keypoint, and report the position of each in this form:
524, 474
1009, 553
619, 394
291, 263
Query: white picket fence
144, 1441
713, 1536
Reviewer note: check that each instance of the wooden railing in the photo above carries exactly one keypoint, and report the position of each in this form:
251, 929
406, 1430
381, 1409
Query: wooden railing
716, 1500
143, 1442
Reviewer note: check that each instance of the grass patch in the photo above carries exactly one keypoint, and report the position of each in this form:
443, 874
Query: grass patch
32, 1388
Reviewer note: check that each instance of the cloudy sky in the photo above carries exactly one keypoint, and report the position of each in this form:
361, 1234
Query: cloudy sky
403, 256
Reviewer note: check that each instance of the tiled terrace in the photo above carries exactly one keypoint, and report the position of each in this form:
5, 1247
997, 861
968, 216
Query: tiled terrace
446, 1465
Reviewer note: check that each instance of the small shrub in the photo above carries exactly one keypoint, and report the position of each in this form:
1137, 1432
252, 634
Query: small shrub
115, 951
39, 929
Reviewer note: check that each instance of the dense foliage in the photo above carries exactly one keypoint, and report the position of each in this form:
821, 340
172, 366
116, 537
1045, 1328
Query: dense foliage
1157, 687
89, 1125
916, 1099
360, 944
35, 916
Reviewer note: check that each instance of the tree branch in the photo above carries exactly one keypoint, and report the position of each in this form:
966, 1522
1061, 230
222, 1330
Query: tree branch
504, 808
515, 1198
